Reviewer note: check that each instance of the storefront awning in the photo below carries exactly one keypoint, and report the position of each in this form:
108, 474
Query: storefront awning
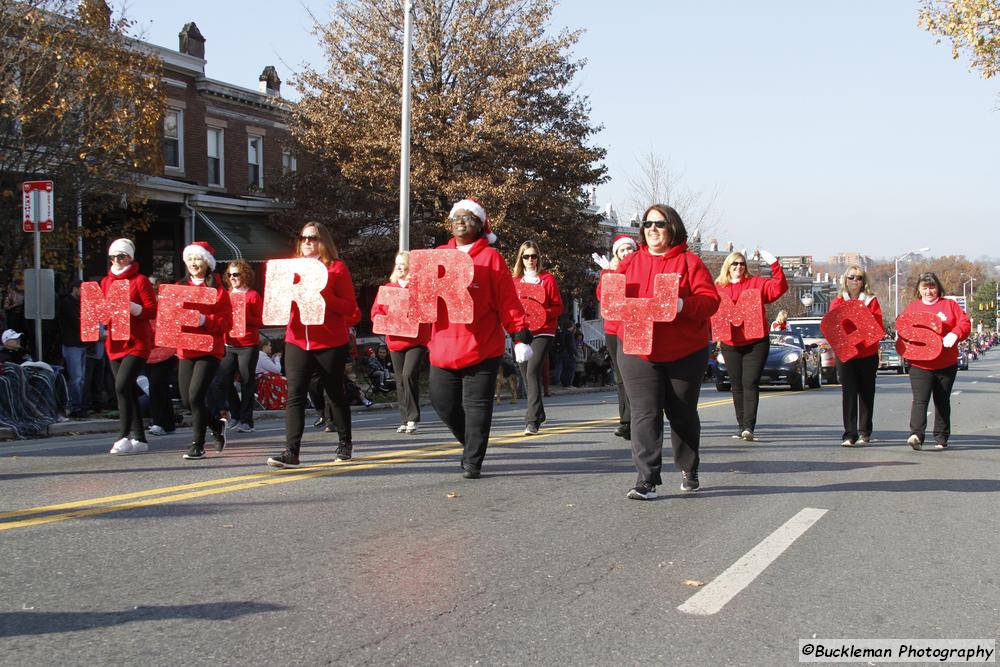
241, 236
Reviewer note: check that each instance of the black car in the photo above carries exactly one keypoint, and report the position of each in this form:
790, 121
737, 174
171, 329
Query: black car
789, 361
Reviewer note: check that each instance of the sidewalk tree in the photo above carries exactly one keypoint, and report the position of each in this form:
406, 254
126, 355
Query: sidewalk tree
79, 105
657, 182
972, 26
495, 116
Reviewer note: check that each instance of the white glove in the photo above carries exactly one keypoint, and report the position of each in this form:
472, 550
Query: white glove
135, 309
201, 319
767, 257
680, 304
950, 339
522, 352
601, 261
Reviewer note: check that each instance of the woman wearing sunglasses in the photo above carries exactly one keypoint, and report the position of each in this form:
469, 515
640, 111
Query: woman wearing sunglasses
528, 269
319, 347
746, 355
857, 375
668, 380
128, 357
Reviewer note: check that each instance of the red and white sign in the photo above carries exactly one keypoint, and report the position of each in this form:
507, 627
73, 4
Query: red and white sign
38, 207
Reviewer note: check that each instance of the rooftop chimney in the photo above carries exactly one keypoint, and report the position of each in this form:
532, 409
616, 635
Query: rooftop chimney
269, 83
191, 41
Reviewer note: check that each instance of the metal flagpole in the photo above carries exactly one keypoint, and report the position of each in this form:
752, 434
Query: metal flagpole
404, 139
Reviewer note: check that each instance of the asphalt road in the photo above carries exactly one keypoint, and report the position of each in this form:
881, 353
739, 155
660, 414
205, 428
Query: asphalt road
393, 558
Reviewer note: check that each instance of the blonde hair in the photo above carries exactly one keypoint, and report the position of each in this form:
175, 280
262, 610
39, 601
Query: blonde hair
519, 263
405, 255
864, 282
723, 278
782, 316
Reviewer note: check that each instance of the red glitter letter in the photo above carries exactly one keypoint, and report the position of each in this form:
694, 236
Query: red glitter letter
172, 317
95, 310
919, 336
300, 280
638, 314
239, 301
849, 328
532, 297
396, 321
747, 311
444, 274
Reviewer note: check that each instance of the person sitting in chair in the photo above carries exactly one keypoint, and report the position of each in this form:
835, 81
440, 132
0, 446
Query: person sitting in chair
378, 367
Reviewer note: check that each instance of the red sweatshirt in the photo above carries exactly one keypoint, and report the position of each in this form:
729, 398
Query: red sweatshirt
953, 320
218, 320
400, 343
341, 306
255, 320
140, 291
689, 331
771, 290
495, 307
871, 303
553, 304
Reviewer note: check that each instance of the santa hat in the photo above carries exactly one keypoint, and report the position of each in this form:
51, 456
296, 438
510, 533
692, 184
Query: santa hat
476, 209
620, 240
201, 249
122, 245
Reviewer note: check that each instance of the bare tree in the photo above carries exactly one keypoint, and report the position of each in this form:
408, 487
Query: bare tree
657, 182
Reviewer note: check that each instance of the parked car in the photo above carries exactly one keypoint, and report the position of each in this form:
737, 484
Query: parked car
809, 329
890, 360
790, 361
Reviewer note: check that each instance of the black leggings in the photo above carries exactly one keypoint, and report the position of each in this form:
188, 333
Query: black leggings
126, 370
299, 367
925, 385
409, 364
194, 379
161, 406
745, 363
531, 371
857, 386
624, 410
240, 405
463, 398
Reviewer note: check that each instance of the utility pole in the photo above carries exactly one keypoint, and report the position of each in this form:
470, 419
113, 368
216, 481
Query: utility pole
404, 138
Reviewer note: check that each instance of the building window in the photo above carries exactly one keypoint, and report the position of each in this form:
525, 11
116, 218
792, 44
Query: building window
173, 144
289, 165
215, 153
255, 162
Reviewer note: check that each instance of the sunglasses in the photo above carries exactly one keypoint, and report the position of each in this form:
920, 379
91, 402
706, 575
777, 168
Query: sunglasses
738, 264
467, 219
235, 275
529, 256
855, 277
308, 239
120, 256
660, 224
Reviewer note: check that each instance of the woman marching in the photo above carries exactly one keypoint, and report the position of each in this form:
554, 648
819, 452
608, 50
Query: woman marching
668, 380
322, 347
241, 353
780, 322
196, 369
745, 356
528, 269
128, 357
409, 355
936, 377
622, 247
465, 357
857, 375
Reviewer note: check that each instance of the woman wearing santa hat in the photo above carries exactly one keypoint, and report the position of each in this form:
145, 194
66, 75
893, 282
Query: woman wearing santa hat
465, 357
196, 368
128, 357
621, 248
322, 347
528, 269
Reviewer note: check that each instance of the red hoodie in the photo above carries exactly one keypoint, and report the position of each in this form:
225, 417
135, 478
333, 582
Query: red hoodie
218, 320
771, 290
341, 307
553, 304
953, 320
689, 331
400, 343
140, 291
255, 320
495, 307
871, 303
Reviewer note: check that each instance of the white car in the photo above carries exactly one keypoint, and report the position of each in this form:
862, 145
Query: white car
808, 327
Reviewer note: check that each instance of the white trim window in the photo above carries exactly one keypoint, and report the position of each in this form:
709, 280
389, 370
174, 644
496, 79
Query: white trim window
216, 153
289, 164
173, 139
255, 162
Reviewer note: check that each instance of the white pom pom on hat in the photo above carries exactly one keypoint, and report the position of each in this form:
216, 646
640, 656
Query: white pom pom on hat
623, 239
476, 209
122, 245
201, 249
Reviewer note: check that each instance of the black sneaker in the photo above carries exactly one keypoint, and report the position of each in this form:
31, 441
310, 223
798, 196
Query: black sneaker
642, 491
471, 473
195, 451
344, 451
689, 481
220, 437
284, 460
624, 431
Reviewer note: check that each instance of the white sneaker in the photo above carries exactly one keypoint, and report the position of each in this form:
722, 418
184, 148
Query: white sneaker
847, 443
914, 442
230, 424
121, 446
411, 427
402, 428
138, 447
244, 428
156, 429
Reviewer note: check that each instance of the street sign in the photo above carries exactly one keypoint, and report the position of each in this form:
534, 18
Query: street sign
38, 207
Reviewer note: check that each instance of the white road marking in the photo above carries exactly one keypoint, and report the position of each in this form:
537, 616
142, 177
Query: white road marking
713, 597
974, 382
956, 393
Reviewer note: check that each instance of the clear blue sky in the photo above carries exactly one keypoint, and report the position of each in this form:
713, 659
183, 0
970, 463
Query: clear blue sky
823, 127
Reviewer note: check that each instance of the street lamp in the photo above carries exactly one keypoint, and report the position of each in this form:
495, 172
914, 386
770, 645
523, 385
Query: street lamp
404, 133
807, 300
972, 283
895, 311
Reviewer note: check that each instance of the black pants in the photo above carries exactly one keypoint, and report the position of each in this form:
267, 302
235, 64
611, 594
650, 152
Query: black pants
409, 364
194, 379
161, 406
658, 388
745, 363
857, 386
240, 406
299, 367
937, 384
624, 411
126, 370
463, 398
531, 372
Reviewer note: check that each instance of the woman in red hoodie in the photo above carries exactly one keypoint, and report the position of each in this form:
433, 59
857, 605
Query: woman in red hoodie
937, 376
528, 269
465, 357
128, 357
320, 347
857, 375
745, 356
241, 353
668, 380
196, 369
